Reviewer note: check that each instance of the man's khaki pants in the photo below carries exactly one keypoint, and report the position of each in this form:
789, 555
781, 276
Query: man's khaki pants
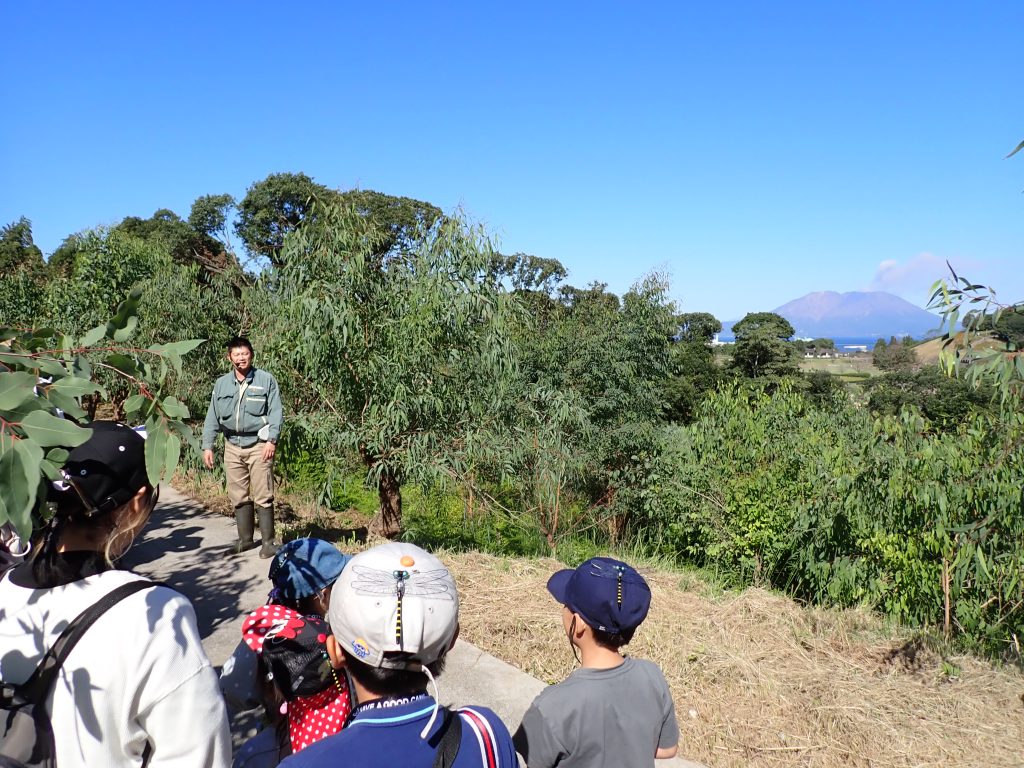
247, 471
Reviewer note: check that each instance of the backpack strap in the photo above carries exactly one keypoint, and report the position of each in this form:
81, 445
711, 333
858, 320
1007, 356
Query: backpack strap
38, 686
481, 729
451, 738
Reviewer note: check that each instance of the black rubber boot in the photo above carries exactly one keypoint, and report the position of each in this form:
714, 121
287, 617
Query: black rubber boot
245, 522
269, 548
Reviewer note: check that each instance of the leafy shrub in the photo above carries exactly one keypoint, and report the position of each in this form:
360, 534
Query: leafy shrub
944, 401
727, 489
436, 519
837, 508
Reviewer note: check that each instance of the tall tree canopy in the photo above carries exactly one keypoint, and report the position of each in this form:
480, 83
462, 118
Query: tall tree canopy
693, 370
272, 208
698, 327
185, 243
17, 249
22, 275
283, 202
897, 355
407, 365
209, 215
762, 345
399, 220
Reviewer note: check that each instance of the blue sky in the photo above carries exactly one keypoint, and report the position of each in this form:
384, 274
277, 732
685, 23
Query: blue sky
754, 152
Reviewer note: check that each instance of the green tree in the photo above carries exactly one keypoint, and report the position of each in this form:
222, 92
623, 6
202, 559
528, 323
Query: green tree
399, 220
762, 346
186, 245
612, 358
526, 273
897, 355
825, 390
62, 260
945, 402
17, 249
822, 344
693, 371
274, 207
283, 202
408, 366
694, 375
209, 215
106, 266
24, 274
182, 299
698, 327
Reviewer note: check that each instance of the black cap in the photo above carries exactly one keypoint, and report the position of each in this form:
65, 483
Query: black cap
107, 470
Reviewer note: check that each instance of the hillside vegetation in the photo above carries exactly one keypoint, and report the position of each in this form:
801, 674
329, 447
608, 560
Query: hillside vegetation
442, 391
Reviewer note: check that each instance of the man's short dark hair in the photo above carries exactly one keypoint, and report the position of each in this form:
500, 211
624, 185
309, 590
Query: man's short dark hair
613, 640
239, 341
383, 681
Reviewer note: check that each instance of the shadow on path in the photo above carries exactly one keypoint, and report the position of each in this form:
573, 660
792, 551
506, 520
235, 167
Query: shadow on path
184, 546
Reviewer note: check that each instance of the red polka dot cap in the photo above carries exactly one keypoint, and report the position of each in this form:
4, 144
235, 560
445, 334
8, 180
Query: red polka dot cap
294, 650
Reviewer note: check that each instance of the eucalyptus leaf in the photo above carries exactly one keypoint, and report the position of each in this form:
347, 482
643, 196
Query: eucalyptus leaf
47, 430
16, 388
58, 455
136, 403
74, 386
92, 337
124, 364
19, 483
174, 408
172, 455
125, 333
66, 403
156, 450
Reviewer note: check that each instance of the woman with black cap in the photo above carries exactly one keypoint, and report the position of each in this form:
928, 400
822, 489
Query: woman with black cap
137, 688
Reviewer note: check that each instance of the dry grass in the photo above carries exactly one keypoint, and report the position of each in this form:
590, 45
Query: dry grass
760, 681
928, 352
848, 365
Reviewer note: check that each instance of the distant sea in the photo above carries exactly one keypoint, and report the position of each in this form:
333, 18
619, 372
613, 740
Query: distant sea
855, 341
841, 341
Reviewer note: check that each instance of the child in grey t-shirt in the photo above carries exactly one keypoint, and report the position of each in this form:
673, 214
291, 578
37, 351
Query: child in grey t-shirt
614, 710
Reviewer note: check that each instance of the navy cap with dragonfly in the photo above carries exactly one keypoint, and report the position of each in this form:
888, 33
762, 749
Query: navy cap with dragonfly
609, 594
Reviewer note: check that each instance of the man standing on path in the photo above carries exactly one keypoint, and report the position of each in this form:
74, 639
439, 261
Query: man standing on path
246, 407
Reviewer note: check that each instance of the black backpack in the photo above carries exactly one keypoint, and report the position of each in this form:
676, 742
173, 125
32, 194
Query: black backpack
27, 733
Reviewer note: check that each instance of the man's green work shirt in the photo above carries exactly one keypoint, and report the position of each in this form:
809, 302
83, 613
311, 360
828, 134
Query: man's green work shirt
240, 408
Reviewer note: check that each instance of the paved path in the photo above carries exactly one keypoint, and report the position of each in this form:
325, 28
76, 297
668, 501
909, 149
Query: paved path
183, 545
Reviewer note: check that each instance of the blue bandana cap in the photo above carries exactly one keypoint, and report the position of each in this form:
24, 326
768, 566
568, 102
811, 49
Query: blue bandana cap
303, 567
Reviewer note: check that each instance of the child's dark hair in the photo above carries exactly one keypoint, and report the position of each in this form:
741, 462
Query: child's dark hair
613, 640
305, 605
390, 682
272, 700
239, 341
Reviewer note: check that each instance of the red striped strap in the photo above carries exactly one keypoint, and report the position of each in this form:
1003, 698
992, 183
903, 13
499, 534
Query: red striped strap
484, 736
